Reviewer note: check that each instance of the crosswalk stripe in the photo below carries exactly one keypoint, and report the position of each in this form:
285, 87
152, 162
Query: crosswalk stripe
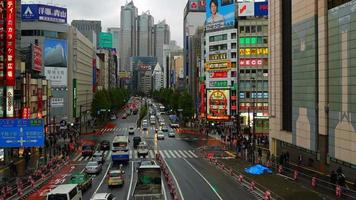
176, 152
195, 156
152, 154
135, 154
173, 155
182, 152
167, 154
80, 159
130, 154
162, 154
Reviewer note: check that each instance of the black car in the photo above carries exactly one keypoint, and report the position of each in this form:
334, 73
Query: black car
105, 145
136, 141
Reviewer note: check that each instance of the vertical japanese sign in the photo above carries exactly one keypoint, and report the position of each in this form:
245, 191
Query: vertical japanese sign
10, 42
37, 58
2, 41
39, 102
10, 101
26, 113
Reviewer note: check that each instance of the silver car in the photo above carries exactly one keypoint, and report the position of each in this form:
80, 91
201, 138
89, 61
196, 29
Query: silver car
93, 167
160, 135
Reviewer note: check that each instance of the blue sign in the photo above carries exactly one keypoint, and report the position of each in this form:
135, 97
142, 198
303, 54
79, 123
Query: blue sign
261, 8
219, 14
17, 133
34, 12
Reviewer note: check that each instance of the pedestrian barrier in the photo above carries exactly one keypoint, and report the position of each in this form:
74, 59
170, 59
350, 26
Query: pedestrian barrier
267, 195
241, 178
313, 182
280, 169
252, 185
338, 191
295, 175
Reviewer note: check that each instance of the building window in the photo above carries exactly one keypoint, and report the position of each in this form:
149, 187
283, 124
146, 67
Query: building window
233, 55
259, 29
253, 29
216, 38
233, 45
233, 73
233, 35
242, 29
248, 29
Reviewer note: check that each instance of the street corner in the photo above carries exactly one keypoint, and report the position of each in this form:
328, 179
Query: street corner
110, 125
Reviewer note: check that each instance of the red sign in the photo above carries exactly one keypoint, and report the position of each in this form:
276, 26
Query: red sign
218, 103
251, 62
26, 113
2, 42
222, 74
202, 98
39, 103
37, 58
10, 42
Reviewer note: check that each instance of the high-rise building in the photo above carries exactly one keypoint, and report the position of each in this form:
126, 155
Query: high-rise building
142, 68
115, 37
145, 24
311, 83
89, 28
128, 35
158, 77
162, 36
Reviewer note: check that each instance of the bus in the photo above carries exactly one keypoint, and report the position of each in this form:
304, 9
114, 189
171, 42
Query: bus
120, 149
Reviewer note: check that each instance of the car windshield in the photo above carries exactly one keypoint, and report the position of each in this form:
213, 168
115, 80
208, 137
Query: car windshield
57, 197
115, 174
87, 148
92, 164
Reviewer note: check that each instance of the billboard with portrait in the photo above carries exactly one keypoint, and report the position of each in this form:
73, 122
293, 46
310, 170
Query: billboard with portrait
55, 61
218, 104
219, 14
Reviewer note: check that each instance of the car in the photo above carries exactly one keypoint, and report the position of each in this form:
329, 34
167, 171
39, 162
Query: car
105, 145
160, 135
124, 116
93, 167
83, 180
103, 196
136, 141
162, 123
144, 126
65, 191
131, 131
171, 134
99, 156
116, 177
88, 149
113, 117
164, 129
142, 149
174, 125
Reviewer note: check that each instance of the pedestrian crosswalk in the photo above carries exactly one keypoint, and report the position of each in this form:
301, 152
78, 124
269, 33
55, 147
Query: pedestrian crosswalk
166, 154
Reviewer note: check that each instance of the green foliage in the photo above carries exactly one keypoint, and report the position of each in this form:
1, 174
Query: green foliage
175, 100
109, 100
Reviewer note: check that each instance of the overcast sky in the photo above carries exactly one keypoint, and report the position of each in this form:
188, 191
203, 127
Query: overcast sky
108, 11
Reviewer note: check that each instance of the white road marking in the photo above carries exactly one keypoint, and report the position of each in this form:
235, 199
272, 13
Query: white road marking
162, 154
130, 154
212, 188
175, 152
77, 157
175, 180
171, 152
135, 155
195, 156
132, 173
80, 159
181, 152
102, 180
152, 154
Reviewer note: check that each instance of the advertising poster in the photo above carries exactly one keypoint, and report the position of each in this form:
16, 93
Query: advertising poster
261, 8
105, 40
10, 42
219, 14
246, 9
218, 104
40, 12
218, 65
2, 41
10, 102
36, 58
55, 61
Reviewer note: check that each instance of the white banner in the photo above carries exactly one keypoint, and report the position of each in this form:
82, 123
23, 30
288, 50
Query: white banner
57, 102
57, 76
10, 102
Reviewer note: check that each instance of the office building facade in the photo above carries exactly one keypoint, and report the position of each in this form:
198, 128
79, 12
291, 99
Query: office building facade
311, 82
161, 37
89, 28
145, 34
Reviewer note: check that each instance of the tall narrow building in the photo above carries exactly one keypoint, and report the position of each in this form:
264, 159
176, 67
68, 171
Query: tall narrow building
89, 28
162, 36
128, 35
145, 24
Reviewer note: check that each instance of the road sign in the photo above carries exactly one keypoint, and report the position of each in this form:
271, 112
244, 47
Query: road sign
21, 133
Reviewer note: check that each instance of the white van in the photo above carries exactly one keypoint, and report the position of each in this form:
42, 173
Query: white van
142, 149
65, 192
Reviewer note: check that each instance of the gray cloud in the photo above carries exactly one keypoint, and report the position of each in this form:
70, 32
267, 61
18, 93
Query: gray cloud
108, 11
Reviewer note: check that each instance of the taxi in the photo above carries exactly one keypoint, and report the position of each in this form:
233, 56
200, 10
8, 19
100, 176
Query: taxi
116, 177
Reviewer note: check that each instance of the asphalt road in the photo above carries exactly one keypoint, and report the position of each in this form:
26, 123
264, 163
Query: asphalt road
193, 176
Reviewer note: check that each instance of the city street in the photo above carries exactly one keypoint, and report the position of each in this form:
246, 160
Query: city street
190, 172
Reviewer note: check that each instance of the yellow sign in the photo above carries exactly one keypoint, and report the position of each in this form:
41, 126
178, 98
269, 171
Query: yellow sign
253, 51
218, 65
218, 56
124, 74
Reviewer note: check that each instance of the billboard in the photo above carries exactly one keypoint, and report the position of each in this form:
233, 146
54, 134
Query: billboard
105, 40
261, 8
36, 58
10, 101
246, 9
197, 5
219, 14
218, 104
10, 60
17, 133
40, 12
218, 74
55, 61
253, 51
218, 65
57, 102
2, 41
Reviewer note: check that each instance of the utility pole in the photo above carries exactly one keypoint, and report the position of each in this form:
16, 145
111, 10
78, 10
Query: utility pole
254, 120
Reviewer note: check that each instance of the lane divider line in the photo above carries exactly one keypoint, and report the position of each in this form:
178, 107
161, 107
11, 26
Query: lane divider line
175, 180
130, 187
102, 180
212, 188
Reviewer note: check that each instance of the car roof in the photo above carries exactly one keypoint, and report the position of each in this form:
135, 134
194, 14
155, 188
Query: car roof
63, 188
96, 162
116, 171
101, 195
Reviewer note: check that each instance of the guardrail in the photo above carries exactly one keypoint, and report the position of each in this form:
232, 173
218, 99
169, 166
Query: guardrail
27, 185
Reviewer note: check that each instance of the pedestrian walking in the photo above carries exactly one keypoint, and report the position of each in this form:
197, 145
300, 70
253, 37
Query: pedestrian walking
300, 159
354, 187
13, 169
333, 178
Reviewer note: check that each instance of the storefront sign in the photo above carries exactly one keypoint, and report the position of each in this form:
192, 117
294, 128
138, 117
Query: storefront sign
10, 42
218, 107
222, 74
218, 84
218, 56
57, 76
246, 9
221, 65
2, 41
26, 113
10, 102
251, 62
253, 51
36, 58
40, 12
261, 9
1, 101
57, 102
39, 103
